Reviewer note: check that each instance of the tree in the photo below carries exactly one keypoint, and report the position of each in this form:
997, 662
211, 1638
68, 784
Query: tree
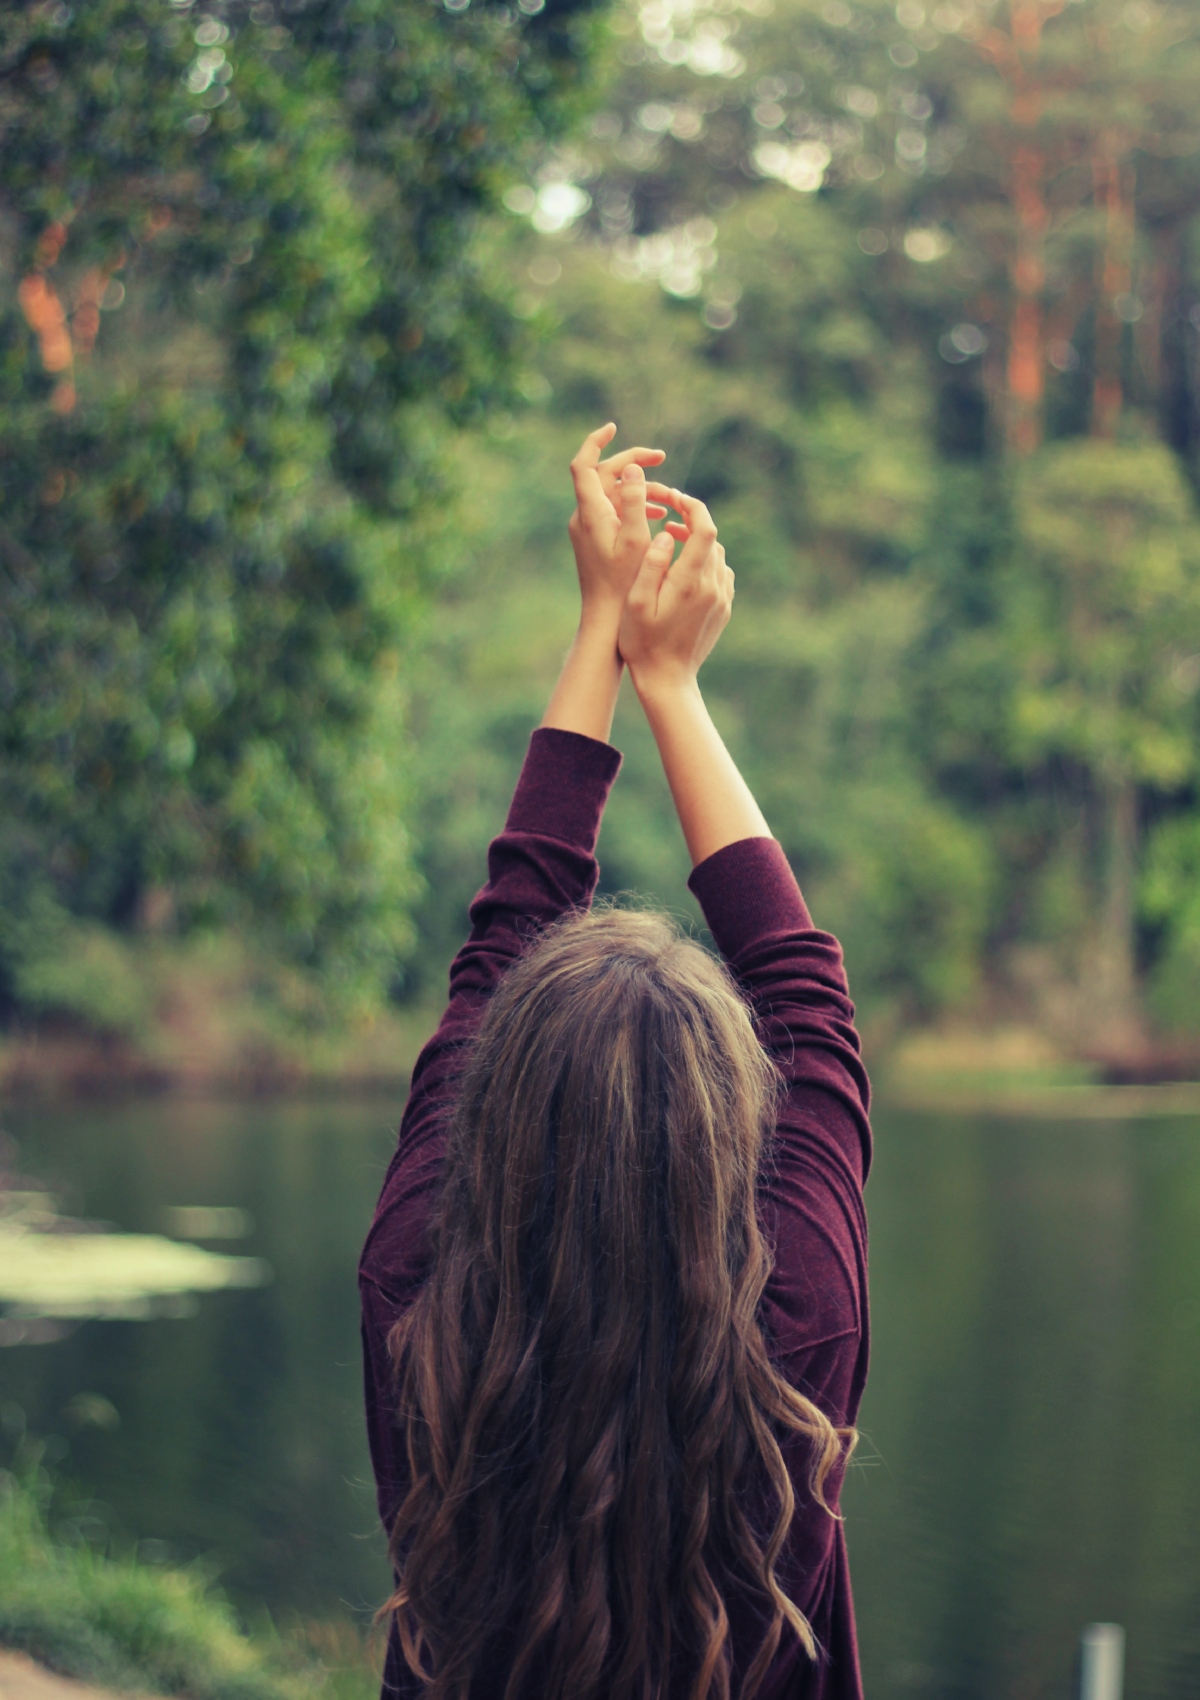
1109, 621
239, 304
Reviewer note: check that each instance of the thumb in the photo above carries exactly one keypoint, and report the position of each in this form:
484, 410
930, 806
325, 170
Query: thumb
631, 504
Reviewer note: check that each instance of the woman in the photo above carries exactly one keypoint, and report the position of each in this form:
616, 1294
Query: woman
614, 1296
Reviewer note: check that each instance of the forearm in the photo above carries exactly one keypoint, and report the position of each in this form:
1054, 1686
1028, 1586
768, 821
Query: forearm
715, 805
543, 863
585, 697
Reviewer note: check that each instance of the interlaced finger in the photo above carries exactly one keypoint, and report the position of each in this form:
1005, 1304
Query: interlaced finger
661, 500
611, 470
696, 529
690, 508
613, 467
694, 512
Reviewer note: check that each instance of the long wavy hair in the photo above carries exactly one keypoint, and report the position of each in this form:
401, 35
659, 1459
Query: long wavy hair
584, 1384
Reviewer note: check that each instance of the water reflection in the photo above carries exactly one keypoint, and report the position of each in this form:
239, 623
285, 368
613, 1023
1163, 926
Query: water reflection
1032, 1413
1035, 1402
53, 1269
240, 1430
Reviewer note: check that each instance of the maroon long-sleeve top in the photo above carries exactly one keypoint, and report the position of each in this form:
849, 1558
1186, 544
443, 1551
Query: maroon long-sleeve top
814, 1308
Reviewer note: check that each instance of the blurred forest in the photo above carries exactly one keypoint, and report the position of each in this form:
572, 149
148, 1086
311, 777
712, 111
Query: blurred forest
303, 308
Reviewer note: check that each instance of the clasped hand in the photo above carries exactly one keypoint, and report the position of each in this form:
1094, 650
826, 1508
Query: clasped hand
665, 615
660, 616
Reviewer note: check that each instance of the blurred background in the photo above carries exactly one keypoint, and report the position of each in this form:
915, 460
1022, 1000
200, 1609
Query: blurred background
304, 306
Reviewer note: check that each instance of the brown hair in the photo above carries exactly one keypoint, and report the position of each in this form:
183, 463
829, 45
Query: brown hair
584, 1383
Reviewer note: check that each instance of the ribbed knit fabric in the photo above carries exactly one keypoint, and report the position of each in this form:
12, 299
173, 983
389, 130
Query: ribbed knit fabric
814, 1309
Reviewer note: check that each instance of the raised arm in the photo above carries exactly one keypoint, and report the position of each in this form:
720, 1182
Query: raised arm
673, 616
814, 1307
791, 973
543, 864
557, 796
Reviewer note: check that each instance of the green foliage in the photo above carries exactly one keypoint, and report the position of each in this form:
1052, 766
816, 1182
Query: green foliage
1170, 901
132, 1625
249, 305
284, 579
1109, 611
822, 506
949, 671
83, 970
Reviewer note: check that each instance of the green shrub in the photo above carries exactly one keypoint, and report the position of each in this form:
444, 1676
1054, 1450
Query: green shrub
134, 1626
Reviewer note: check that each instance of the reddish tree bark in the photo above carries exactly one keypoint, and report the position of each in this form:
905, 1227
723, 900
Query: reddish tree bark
1026, 336
1016, 55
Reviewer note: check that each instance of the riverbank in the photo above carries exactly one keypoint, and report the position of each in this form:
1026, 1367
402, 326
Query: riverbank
206, 1018
1011, 1071
219, 1046
142, 1013
22, 1678
61, 1059
1020, 1071
75, 1610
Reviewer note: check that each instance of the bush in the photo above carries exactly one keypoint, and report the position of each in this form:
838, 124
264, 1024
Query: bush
134, 1626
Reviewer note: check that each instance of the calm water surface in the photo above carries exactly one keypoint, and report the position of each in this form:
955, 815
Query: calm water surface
1031, 1453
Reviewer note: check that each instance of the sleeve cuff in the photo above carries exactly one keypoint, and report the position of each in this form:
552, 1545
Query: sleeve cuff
748, 890
563, 787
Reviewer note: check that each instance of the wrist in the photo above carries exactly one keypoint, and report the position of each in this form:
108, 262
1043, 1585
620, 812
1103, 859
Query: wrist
600, 617
663, 682
595, 642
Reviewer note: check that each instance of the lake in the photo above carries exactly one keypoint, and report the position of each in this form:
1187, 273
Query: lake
1031, 1434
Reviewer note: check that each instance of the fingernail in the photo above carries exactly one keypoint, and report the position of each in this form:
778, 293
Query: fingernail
633, 472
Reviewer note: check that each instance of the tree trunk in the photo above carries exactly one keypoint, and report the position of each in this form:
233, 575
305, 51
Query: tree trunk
1114, 192
1026, 338
1177, 391
1115, 969
1151, 327
1026, 373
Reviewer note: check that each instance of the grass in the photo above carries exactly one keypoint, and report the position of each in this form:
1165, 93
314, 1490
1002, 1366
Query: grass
112, 1620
